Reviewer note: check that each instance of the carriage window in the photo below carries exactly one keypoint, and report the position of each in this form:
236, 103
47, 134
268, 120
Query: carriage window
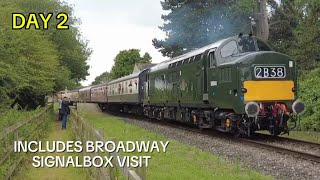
229, 49
136, 83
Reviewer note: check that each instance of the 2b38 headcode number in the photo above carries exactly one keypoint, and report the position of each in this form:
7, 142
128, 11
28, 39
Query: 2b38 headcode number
34, 20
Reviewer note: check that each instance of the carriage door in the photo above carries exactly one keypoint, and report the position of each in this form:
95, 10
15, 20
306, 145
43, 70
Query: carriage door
205, 96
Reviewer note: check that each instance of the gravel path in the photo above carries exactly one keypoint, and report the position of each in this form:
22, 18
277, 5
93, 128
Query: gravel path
281, 166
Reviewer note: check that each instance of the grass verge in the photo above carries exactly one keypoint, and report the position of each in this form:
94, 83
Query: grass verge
27, 171
181, 161
311, 136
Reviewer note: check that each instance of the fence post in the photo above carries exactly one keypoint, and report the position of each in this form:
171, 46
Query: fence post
101, 169
113, 170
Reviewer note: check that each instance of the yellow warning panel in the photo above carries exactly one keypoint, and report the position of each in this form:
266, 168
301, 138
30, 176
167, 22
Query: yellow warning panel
268, 90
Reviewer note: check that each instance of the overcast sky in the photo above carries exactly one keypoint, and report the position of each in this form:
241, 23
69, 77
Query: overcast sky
115, 25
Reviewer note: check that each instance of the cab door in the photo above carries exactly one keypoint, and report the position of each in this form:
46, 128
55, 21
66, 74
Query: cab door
212, 80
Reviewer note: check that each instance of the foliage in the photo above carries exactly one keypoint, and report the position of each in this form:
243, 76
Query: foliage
38, 62
104, 77
27, 132
309, 92
295, 29
125, 60
193, 24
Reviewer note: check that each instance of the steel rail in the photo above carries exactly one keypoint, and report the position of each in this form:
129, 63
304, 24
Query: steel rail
297, 154
288, 139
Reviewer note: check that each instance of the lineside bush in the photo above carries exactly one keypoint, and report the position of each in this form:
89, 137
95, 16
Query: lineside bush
309, 92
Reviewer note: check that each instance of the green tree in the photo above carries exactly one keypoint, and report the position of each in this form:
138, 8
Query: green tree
193, 24
33, 62
104, 77
294, 30
125, 60
72, 49
309, 91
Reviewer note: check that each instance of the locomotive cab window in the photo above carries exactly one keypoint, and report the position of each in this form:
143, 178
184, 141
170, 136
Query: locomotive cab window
229, 49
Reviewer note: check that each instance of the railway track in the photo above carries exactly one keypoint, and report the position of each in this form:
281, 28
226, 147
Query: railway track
259, 144
295, 153
284, 139
251, 142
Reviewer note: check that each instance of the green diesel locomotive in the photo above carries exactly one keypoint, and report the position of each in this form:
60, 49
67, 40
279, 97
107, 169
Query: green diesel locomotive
238, 85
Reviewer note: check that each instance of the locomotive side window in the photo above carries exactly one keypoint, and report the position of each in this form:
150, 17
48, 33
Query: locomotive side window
198, 57
174, 65
229, 49
163, 77
185, 61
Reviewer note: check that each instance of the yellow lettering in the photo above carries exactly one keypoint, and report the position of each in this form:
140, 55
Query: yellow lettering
32, 20
64, 17
15, 21
45, 20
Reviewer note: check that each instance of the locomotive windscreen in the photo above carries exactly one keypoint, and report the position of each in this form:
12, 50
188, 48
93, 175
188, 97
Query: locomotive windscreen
246, 44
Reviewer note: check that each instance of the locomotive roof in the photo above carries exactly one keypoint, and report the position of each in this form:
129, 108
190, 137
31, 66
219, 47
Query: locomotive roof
165, 64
